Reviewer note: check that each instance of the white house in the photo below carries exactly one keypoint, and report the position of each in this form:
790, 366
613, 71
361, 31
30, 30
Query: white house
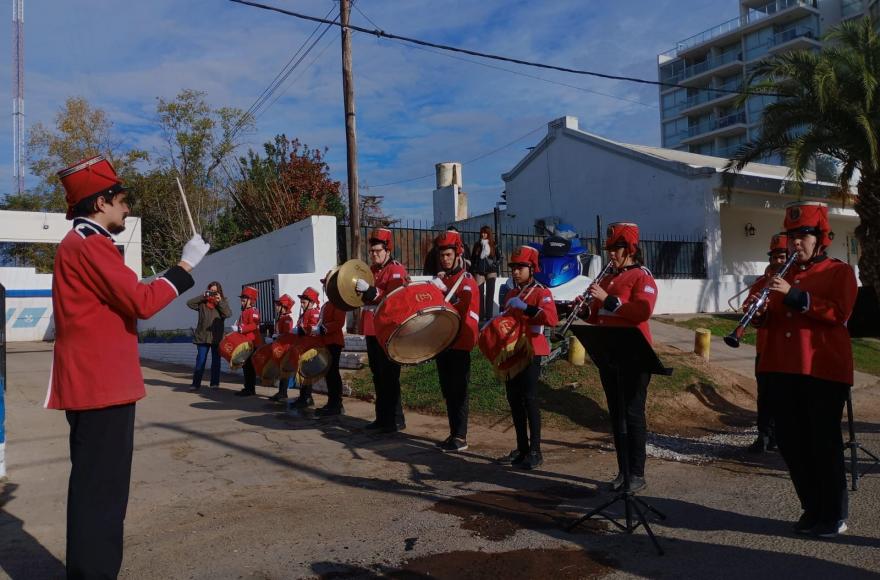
574, 176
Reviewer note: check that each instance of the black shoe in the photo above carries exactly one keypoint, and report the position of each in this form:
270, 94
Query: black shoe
246, 393
195, 387
278, 396
771, 443
534, 460
303, 402
373, 426
805, 523
328, 411
454, 444
217, 386
830, 529
394, 428
617, 483
515, 457
759, 445
444, 443
637, 483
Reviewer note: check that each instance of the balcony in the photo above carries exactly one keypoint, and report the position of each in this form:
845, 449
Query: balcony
717, 127
717, 65
733, 25
711, 97
794, 38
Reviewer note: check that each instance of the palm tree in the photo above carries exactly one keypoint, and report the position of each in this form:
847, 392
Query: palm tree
828, 105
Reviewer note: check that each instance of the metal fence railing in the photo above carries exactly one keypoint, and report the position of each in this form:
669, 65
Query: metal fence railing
265, 304
666, 256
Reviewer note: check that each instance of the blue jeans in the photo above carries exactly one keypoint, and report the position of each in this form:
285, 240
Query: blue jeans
201, 359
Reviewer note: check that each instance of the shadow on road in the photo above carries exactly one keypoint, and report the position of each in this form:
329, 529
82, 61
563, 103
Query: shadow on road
22, 556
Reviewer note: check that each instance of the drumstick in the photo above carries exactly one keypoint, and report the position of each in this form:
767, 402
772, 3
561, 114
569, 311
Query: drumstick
186, 207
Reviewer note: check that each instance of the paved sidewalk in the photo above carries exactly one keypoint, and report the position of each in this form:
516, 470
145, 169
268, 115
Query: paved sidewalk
739, 360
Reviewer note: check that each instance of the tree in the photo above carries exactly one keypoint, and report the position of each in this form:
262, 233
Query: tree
829, 105
373, 214
290, 183
198, 139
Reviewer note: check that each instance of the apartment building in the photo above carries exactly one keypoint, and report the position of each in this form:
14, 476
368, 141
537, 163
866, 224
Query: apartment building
702, 116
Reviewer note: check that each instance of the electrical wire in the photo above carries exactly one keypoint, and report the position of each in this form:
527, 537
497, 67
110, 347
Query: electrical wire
382, 34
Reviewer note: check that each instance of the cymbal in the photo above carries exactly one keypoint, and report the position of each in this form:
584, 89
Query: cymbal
343, 282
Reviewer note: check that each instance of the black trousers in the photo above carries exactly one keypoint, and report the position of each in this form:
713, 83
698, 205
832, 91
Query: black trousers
635, 393
386, 380
454, 372
250, 375
522, 396
487, 298
334, 379
101, 443
765, 418
807, 413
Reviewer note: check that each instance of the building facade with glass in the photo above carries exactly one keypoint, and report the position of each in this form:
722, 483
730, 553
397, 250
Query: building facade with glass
701, 116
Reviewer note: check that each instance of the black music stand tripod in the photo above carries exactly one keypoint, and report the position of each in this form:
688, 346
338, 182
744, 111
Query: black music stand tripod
621, 348
854, 448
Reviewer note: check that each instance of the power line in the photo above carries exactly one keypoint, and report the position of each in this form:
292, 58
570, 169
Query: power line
468, 162
382, 34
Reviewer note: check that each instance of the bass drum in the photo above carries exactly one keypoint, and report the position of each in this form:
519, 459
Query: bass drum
414, 323
505, 344
266, 366
236, 349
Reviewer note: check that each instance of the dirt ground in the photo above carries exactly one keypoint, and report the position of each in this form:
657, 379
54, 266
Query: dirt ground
224, 487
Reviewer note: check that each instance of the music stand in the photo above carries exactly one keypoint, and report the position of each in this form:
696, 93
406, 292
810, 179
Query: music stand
619, 348
863, 322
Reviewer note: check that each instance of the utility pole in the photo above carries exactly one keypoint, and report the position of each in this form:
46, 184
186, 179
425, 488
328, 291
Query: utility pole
354, 208
18, 94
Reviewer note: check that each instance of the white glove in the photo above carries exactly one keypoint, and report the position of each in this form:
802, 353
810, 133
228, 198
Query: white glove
194, 250
439, 284
361, 285
517, 303
234, 328
315, 332
297, 330
484, 251
274, 337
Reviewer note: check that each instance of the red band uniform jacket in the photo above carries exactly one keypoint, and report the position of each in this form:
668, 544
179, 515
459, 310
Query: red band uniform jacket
284, 324
249, 326
308, 321
632, 294
806, 329
541, 311
388, 277
466, 302
332, 323
97, 301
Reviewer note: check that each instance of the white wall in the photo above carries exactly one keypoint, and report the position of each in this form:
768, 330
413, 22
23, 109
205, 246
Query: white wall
306, 248
29, 316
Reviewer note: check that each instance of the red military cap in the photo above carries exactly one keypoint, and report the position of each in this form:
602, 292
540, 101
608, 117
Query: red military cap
309, 294
622, 235
250, 292
382, 236
285, 300
86, 178
525, 256
809, 217
778, 243
449, 239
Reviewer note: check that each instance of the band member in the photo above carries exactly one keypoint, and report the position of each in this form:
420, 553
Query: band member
283, 325
332, 321
533, 304
249, 325
306, 325
213, 309
96, 375
625, 297
778, 254
807, 360
389, 275
454, 363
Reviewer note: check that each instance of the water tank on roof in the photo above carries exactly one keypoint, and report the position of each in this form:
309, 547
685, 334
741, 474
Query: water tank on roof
448, 173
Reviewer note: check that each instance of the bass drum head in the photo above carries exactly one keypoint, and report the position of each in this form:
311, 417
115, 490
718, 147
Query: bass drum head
423, 335
313, 365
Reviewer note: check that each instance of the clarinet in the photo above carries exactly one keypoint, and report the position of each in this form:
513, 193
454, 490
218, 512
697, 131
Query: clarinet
585, 302
735, 336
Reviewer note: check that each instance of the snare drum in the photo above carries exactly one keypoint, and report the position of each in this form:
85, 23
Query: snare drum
236, 349
414, 323
266, 365
313, 360
505, 343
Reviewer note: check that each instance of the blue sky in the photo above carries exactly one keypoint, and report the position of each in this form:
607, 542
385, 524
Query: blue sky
414, 107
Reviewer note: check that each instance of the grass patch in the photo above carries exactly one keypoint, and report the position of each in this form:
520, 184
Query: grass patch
570, 396
866, 351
